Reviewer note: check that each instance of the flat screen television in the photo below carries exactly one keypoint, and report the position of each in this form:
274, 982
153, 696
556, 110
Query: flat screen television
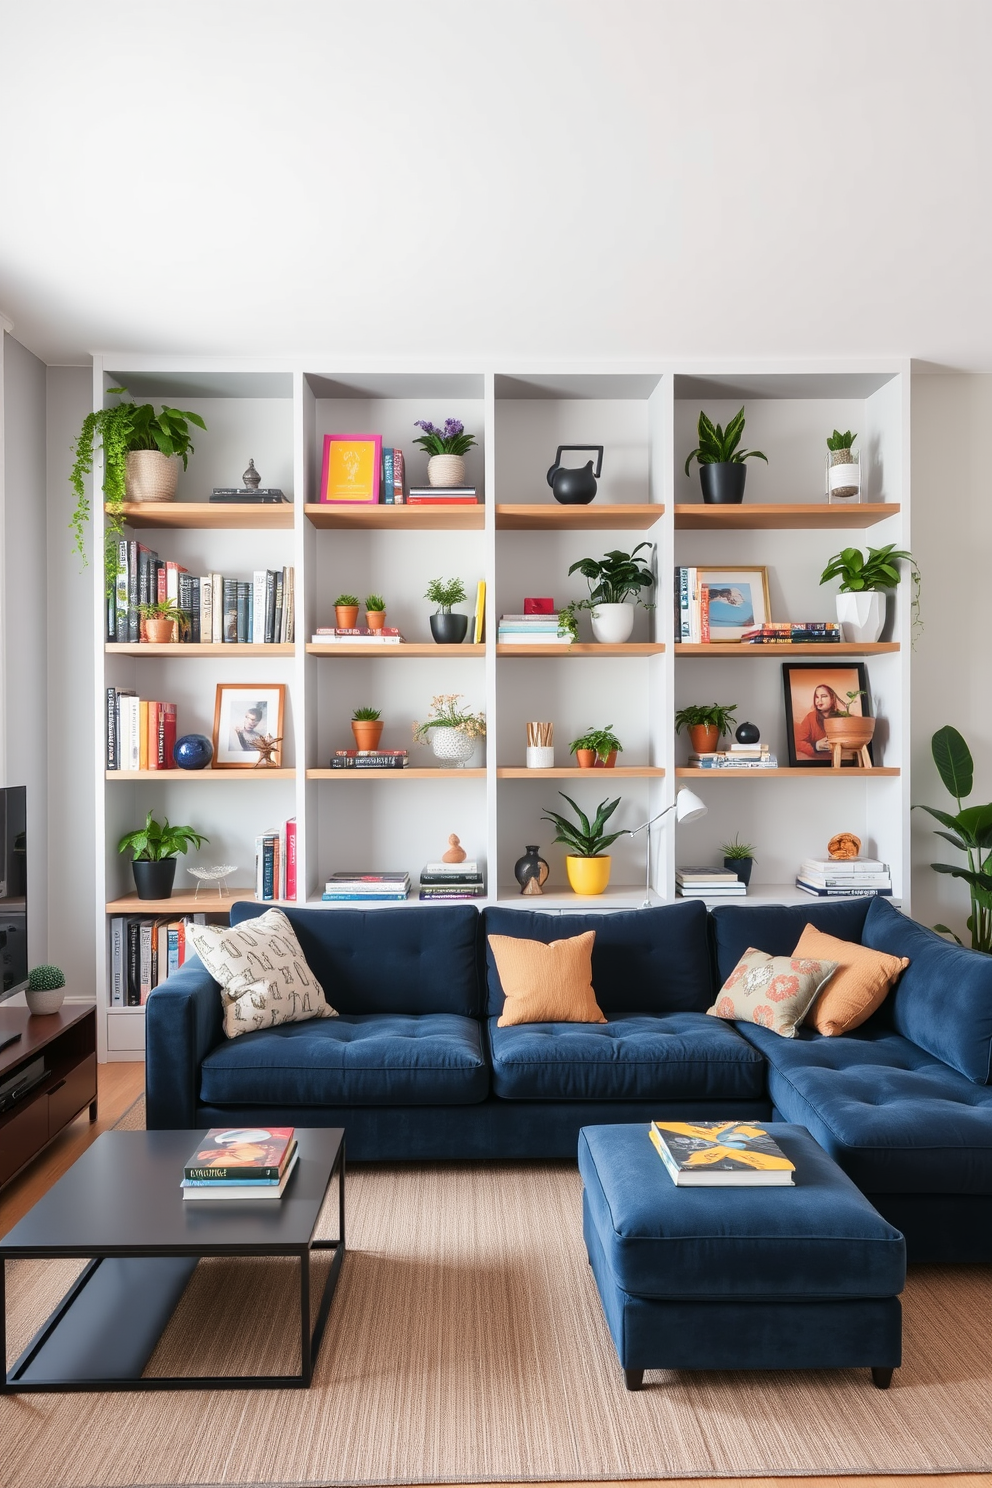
13, 890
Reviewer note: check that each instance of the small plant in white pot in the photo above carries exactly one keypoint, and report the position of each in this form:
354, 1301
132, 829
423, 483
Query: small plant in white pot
615, 583
446, 447
843, 465
452, 731
45, 991
863, 580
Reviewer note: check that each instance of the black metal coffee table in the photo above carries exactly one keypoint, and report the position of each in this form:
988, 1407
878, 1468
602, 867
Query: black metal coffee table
121, 1206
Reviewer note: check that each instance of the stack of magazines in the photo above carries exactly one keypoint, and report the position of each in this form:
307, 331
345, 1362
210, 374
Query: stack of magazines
250, 1162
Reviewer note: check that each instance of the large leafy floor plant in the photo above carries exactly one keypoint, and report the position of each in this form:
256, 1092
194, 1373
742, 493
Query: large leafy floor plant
970, 831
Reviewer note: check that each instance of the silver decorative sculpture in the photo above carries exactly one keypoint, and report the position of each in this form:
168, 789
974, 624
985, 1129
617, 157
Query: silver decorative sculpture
251, 480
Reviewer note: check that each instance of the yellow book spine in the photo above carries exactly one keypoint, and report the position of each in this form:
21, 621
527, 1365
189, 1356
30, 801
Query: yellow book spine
480, 612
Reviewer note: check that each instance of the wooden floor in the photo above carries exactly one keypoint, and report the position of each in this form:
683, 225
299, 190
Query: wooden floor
119, 1085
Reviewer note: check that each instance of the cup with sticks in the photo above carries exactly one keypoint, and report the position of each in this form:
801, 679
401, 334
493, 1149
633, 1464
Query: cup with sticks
540, 746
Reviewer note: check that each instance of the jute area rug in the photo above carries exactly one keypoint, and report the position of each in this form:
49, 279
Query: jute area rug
466, 1344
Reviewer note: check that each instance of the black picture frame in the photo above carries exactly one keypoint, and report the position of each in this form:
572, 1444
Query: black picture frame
800, 680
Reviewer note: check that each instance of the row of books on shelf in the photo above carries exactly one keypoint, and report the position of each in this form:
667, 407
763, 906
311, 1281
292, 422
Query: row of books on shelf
707, 611
532, 630
144, 950
241, 1163
708, 883
275, 862
439, 882
141, 732
737, 757
213, 606
792, 633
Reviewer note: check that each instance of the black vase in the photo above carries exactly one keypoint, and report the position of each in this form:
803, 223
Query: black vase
723, 484
531, 871
449, 629
741, 866
154, 880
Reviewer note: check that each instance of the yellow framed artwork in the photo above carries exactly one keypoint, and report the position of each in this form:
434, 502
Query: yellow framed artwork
351, 469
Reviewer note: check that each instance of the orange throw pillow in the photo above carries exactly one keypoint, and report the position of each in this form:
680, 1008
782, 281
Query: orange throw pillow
546, 983
860, 984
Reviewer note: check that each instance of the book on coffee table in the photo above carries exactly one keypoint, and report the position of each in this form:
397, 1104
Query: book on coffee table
720, 1154
241, 1154
192, 1189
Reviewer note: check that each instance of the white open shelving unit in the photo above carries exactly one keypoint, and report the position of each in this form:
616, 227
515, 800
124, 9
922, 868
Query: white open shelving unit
521, 542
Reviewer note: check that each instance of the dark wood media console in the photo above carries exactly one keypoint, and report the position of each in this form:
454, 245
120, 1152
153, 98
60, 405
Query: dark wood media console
66, 1040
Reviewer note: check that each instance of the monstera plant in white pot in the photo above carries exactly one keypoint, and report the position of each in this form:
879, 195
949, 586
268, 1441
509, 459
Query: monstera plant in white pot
863, 582
615, 583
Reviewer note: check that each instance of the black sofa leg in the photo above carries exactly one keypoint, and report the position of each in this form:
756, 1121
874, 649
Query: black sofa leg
881, 1378
634, 1378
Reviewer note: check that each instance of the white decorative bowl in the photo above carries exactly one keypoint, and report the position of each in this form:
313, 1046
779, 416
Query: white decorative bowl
47, 1000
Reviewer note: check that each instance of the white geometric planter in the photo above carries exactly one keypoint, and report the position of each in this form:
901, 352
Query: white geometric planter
862, 616
612, 623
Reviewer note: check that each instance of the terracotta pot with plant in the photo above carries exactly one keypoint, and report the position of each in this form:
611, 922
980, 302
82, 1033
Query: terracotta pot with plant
596, 748
163, 623
849, 733
375, 611
587, 862
346, 612
706, 724
366, 725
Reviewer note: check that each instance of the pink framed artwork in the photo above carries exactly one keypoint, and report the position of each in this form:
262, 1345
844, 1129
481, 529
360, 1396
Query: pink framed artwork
350, 470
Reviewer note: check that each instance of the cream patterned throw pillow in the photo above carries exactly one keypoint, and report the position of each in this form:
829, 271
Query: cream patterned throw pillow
263, 974
774, 991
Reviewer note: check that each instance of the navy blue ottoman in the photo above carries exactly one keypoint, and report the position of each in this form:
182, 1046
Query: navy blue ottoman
739, 1278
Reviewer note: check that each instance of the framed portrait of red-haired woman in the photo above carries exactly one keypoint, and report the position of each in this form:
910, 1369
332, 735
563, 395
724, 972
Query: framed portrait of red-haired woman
814, 692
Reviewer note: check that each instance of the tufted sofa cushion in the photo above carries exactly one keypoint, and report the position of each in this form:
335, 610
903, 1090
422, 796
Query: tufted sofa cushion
382, 1059
390, 960
776, 928
635, 1056
896, 1119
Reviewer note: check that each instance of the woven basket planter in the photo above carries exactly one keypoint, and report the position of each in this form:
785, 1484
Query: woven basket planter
151, 476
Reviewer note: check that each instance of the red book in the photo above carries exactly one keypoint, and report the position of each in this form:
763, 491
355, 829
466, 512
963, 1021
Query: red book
166, 738
291, 858
161, 582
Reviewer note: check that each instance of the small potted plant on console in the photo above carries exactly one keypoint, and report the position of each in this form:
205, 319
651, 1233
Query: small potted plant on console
155, 847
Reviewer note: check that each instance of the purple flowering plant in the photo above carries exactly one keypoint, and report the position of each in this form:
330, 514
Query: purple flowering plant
451, 440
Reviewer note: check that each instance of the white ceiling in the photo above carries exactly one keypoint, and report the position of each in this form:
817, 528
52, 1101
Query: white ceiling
503, 178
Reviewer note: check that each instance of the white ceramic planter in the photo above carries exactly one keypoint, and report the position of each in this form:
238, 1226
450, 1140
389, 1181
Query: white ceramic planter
843, 475
150, 475
44, 1001
446, 470
612, 623
862, 616
540, 757
451, 745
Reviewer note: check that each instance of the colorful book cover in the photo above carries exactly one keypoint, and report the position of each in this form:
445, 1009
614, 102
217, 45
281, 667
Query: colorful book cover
230, 1152
350, 470
388, 478
480, 612
720, 1153
399, 471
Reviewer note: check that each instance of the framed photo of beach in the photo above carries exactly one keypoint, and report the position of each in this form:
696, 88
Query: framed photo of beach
735, 599
815, 691
350, 470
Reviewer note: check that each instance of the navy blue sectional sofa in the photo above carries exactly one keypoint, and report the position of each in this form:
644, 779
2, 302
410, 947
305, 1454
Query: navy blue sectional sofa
416, 1068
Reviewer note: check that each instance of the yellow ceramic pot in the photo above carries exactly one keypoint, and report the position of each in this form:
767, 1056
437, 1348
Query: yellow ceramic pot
588, 875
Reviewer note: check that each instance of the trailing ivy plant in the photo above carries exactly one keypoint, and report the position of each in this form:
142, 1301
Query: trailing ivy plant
970, 831
124, 427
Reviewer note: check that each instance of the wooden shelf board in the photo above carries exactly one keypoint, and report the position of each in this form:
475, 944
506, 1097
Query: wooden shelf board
404, 650
207, 648
540, 516
396, 518
583, 648
209, 902
201, 775
208, 514
789, 648
807, 772
412, 772
566, 772
695, 516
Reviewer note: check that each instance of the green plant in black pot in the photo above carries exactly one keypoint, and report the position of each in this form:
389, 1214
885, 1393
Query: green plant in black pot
154, 848
969, 831
722, 471
738, 856
448, 629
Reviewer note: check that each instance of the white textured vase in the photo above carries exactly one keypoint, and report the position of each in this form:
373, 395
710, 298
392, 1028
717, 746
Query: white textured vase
862, 616
446, 470
540, 757
451, 745
44, 1000
150, 475
612, 623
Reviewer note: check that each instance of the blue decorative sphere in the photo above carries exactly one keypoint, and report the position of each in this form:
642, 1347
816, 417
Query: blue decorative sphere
193, 752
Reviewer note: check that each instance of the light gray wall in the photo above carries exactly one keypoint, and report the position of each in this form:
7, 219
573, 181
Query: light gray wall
24, 714
952, 539
71, 684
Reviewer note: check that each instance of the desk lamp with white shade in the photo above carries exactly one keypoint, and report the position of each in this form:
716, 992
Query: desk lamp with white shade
688, 808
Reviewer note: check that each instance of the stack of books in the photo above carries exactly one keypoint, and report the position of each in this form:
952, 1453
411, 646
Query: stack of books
370, 759
238, 495
708, 883
141, 734
838, 878
443, 496
366, 888
720, 1154
250, 1163
447, 882
275, 862
359, 635
531, 630
737, 757
792, 633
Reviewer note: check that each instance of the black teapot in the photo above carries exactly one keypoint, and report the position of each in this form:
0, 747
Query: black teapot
575, 487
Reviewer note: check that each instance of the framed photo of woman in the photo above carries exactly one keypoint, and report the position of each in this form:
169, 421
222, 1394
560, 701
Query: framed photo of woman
244, 714
815, 690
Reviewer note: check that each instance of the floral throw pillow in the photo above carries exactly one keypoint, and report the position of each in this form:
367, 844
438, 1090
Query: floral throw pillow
263, 975
773, 991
